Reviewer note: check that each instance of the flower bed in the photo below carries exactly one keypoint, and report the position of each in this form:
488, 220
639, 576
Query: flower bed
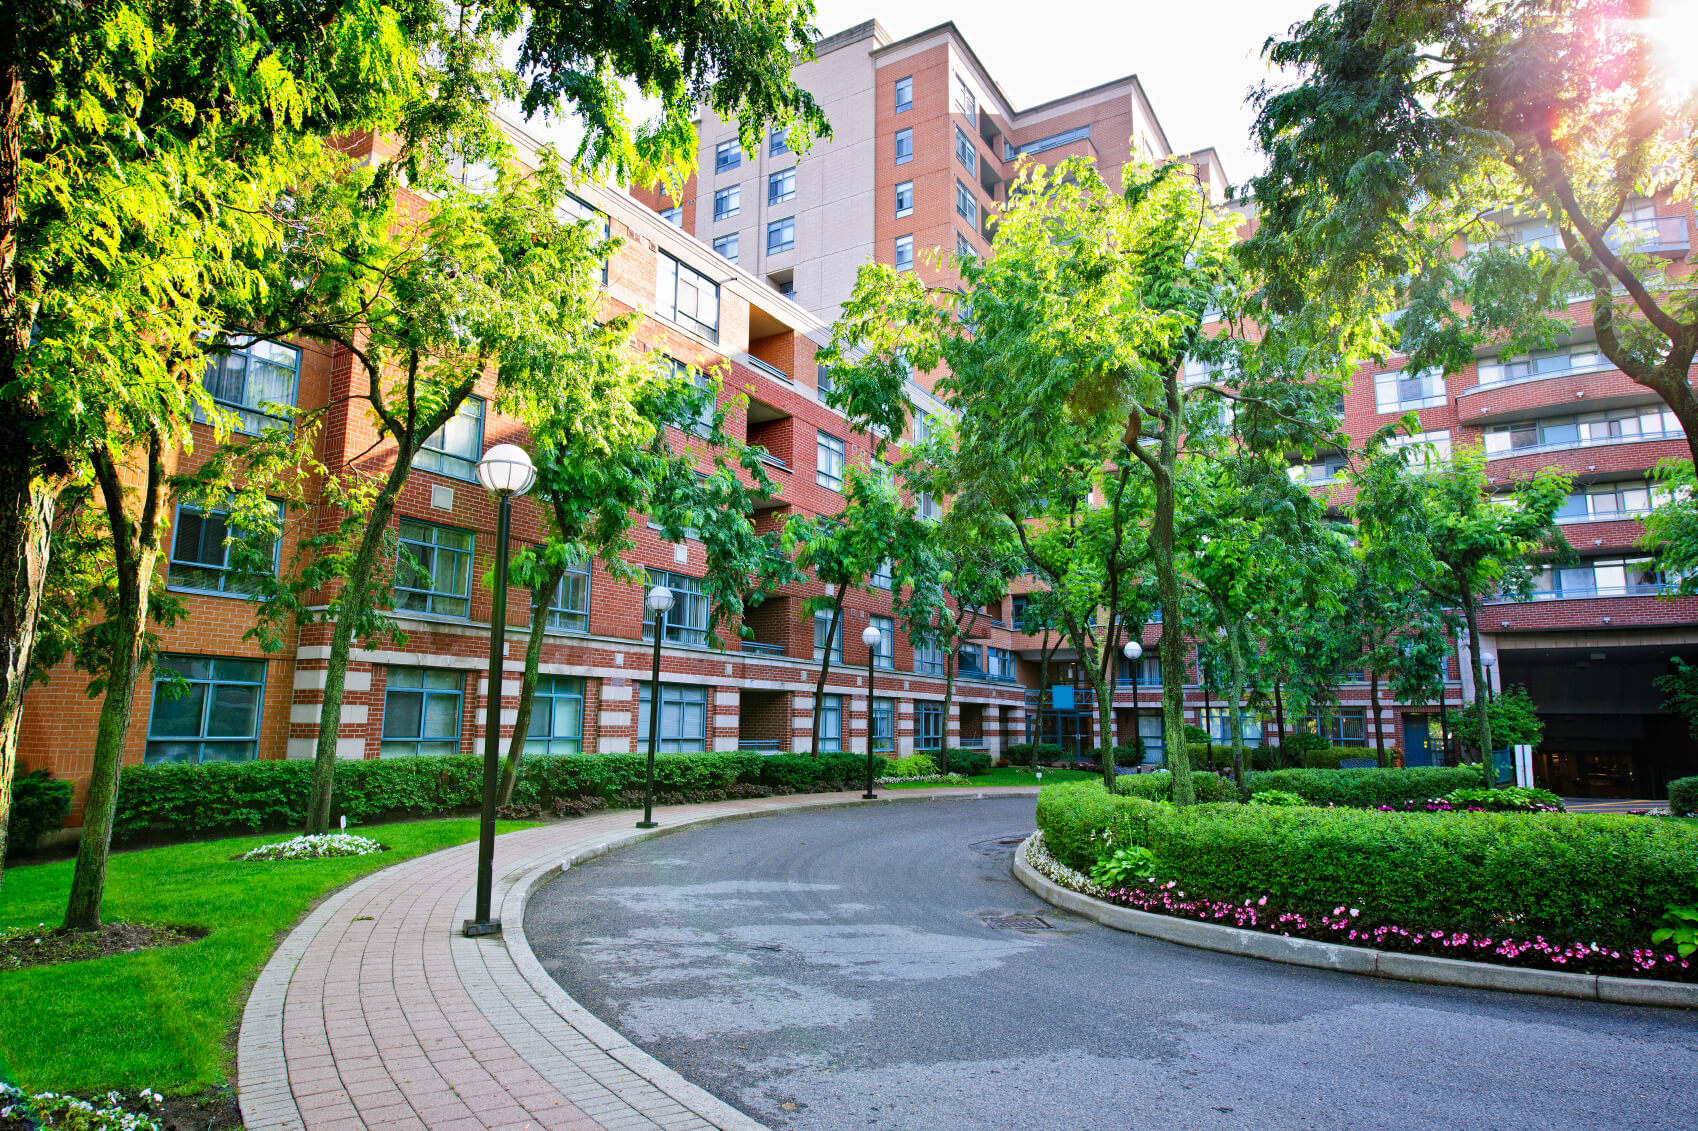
1351, 927
21, 1109
316, 847
947, 779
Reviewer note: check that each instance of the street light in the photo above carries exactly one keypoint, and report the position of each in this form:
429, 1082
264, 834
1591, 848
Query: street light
659, 602
505, 472
871, 637
1133, 652
1488, 660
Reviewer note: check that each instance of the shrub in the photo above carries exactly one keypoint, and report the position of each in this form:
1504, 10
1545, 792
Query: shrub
1047, 752
1129, 755
1296, 745
1159, 786
1365, 789
1514, 718
1123, 865
913, 766
1683, 797
1018, 754
970, 762
39, 805
1276, 797
1584, 877
1515, 798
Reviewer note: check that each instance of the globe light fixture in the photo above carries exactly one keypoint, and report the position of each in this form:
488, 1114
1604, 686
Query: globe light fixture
506, 471
1134, 651
659, 602
872, 638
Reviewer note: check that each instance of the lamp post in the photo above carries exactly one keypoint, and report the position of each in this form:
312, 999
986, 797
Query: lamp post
659, 602
1134, 651
871, 637
1488, 661
505, 472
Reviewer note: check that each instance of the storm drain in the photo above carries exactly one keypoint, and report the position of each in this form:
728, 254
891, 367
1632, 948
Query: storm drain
1016, 923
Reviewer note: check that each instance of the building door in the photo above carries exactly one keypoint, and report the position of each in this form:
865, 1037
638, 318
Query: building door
1419, 741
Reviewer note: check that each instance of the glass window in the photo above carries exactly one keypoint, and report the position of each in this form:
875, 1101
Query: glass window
215, 719
928, 658
927, 506
1346, 726
1055, 141
1151, 731
433, 571
831, 722
421, 712
781, 186
1609, 501
1432, 447
882, 731
687, 296
999, 664
964, 246
687, 620
569, 608
726, 246
673, 216
904, 146
884, 652
1220, 726
200, 553
904, 253
557, 717
822, 379
904, 93
931, 726
904, 199
822, 629
964, 151
965, 103
881, 575
966, 204
1579, 358
1402, 390
455, 448
781, 235
583, 212
778, 141
683, 719
969, 660
254, 374
828, 461
727, 202
727, 155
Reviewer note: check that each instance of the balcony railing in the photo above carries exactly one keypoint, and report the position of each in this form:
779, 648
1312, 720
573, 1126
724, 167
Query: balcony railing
1644, 589
771, 460
1586, 442
1651, 234
768, 368
759, 745
763, 648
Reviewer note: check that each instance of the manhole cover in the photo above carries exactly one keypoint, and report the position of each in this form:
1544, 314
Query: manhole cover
1016, 923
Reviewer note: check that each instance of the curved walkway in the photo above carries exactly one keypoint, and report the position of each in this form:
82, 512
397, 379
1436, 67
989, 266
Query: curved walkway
376, 1012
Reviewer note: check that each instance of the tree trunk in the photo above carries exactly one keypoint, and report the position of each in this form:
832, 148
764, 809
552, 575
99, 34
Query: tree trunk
1279, 716
1172, 609
1208, 709
1471, 614
1236, 657
948, 705
527, 685
1444, 728
27, 504
825, 666
1374, 702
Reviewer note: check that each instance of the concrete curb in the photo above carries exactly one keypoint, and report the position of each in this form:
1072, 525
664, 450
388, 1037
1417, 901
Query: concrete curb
1355, 959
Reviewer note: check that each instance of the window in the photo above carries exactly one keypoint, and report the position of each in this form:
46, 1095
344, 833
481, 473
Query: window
557, 717
964, 247
928, 658
215, 719
781, 235
831, 722
687, 621
1433, 447
454, 449
200, 557
1219, 726
931, 727
1150, 730
421, 712
585, 213
1148, 671
1612, 577
1346, 726
673, 216
1579, 358
904, 199
727, 202
927, 506
433, 571
1605, 501
253, 375
781, 186
726, 246
904, 253
884, 652
726, 156
966, 204
999, 664
569, 608
1021, 603
828, 461
683, 719
1401, 390
965, 103
687, 296
699, 378
904, 94
1321, 471
822, 631
904, 146
778, 141
1055, 141
882, 578
822, 379
1650, 422
969, 660
882, 728
964, 151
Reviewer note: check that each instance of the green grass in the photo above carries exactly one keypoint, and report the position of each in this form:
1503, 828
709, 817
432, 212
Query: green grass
1009, 775
166, 1018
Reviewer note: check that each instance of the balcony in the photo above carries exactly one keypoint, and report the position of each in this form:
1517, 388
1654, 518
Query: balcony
760, 366
1652, 235
762, 648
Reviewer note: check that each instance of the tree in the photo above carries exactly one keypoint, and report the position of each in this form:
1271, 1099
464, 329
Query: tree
1398, 630
1681, 687
1456, 537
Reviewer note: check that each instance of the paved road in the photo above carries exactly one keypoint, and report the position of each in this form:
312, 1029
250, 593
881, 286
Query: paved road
833, 969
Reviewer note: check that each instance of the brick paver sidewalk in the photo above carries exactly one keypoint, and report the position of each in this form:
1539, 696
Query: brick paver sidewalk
376, 1012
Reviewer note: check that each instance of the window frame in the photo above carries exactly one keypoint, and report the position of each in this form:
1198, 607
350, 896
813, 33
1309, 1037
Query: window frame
680, 696
776, 227
928, 657
389, 746
433, 454
831, 724
927, 711
966, 152
727, 202
687, 595
701, 282
251, 419
830, 458
550, 690
884, 656
729, 240
903, 145
903, 106
822, 627
774, 180
778, 141
432, 595
203, 738
224, 570
964, 195
904, 189
881, 737
556, 617
902, 253
723, 164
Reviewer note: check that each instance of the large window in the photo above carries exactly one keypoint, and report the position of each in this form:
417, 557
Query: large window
999, 664
673, 216
1602, 502
216, 716
687, 620
583, 212
557, 717
904, 93
884, 652
828, 461
1148, 672
433, 573
1055, 141
1611, 577
1582, 358
970, 660
726, 246
965, 103
904, 199
687, 296
966, 204
781, 186
1649, 422
569, 607
882, 577
1431, 447
455, 448
727, 155
831, 722
252, 376
421, 712
683, 719
904, 253
1402, 390
781, 235
928, 658
904, 146
931, 726
1324, 470
1220, 726
727, 202
200, 553
1346, 726
964, 150
881, 731
778, 141
822, 630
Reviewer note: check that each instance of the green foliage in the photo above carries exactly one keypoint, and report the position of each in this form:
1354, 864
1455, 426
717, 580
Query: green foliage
1328, 757
1514, 721
970, 762
1365, 789
1115, 868
1569, 877
1276, 797
1296, 746
913, 766
39, 805
1681, 688
1509, 799
1679, 926
1129, 756
1195, 735
1031, 754
1159, 786
1683, 797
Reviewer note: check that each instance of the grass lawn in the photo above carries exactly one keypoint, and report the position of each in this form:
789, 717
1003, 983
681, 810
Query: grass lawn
166, 1018
1008, 775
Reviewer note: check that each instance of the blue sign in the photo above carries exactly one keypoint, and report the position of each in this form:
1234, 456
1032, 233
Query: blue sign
1061, 698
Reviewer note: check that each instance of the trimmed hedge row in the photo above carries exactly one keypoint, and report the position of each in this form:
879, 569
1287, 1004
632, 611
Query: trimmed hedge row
1683, 797
1364, 789
1159, 786
218, 797
1589, 877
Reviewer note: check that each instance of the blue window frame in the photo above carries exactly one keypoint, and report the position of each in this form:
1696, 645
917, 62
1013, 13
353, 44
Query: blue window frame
884, 652
883, 727
904, 146
778, 141
727, 155
557, 717
251, 375
433, 571
781, 235
569, 608
421, 712
904, 93
831, 722
205, 709
683, 719
687, 621
931, 727
200, 553
781, 186
928, 658
455, 448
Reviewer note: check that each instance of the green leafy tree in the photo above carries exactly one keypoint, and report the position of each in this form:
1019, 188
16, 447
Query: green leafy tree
1513, 718
1455, 538
1681, 687
1398, 630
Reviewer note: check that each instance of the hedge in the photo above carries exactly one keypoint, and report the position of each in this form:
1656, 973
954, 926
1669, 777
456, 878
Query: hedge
1588, 877
1683, 797
1159, 786
1364, 789
39, 805
220, 797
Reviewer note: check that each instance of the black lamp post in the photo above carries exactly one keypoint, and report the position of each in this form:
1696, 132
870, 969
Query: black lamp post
871, 637
659, 602
1133, 652
505, 472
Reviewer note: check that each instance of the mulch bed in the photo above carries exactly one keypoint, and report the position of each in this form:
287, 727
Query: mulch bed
49, 946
